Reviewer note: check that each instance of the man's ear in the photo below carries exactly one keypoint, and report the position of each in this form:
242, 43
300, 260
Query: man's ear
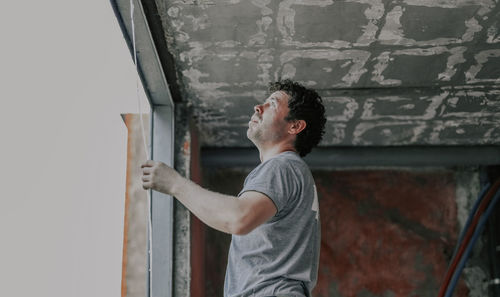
297, 126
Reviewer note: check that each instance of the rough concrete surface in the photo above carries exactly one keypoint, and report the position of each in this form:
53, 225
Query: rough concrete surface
393, 72
476, 272
182, 216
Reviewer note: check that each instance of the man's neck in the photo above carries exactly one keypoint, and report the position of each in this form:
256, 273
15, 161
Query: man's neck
268, 153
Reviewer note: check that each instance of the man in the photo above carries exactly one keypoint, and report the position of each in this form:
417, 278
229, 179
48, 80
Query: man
274, 221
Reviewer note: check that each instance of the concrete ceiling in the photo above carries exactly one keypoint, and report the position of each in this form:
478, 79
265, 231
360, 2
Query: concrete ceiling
391, 72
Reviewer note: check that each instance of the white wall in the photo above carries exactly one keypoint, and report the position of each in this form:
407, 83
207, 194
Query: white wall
65, 77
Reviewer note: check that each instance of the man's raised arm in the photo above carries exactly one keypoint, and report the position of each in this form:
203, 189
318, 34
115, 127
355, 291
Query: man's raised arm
222, 212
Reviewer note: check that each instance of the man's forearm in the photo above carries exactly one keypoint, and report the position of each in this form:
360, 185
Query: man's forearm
221, 212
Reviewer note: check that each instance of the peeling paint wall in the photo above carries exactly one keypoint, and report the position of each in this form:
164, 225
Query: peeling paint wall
182, 216
412, 72
476, 272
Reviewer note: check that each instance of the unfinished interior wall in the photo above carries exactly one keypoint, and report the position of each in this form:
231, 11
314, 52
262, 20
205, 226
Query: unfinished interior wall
385, 232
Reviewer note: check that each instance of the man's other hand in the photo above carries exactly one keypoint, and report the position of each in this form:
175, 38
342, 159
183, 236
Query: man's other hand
159, 177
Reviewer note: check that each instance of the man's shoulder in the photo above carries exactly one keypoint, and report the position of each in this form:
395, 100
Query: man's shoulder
287, 157
292, 160
285, 164
289, 165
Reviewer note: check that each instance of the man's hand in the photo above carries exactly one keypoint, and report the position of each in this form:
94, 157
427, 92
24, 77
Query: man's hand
159, 177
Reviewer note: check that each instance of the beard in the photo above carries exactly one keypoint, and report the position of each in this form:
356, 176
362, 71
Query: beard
260, 135
255, 135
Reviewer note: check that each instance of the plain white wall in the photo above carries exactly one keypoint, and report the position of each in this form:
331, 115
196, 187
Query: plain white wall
66, 75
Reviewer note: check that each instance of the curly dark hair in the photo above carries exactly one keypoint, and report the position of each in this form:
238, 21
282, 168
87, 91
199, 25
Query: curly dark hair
304, 104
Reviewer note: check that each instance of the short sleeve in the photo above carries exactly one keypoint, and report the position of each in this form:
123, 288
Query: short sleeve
273, 179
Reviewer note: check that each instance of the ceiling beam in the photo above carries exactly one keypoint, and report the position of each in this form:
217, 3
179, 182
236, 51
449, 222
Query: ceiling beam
338, 157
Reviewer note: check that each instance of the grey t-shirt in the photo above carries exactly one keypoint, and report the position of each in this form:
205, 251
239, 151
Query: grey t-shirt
279, 257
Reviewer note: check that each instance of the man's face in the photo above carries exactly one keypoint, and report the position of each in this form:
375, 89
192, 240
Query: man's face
268, 124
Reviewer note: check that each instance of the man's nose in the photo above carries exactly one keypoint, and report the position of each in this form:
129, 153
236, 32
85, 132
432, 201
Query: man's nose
258, 108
